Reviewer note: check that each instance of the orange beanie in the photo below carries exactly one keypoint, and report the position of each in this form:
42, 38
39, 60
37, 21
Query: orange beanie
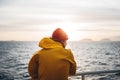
59, 35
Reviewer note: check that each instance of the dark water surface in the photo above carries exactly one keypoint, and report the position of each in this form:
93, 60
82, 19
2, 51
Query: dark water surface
90, 56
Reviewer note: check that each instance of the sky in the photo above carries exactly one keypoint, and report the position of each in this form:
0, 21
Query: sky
31, 20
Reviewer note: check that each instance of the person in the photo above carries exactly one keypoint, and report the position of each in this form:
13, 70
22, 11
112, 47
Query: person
53, 61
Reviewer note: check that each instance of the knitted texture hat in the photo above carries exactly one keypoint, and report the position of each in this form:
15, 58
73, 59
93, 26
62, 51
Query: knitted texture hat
59, 35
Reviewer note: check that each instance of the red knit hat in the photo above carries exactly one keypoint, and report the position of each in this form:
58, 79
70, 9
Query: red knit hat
59, 35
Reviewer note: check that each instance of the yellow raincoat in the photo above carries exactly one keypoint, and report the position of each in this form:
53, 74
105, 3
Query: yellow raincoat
52, 62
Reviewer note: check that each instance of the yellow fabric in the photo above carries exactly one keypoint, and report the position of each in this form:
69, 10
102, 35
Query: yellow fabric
53, 62
49, 43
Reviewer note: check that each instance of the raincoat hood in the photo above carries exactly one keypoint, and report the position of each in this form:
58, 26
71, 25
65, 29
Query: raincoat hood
48, 43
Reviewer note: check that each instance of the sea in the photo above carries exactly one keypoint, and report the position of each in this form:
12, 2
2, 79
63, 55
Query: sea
89, 56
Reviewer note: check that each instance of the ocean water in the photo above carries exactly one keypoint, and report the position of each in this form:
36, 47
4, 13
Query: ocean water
90, 56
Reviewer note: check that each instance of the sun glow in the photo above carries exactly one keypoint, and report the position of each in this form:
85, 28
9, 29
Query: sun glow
72, 30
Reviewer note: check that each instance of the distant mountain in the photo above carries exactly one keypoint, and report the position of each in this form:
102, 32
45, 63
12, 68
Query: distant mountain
106, 39
86, 40
116, 38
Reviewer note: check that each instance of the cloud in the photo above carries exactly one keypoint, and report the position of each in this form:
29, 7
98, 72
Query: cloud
28, 25
44, 12
5, 2
23, 28
101, 30
63, 6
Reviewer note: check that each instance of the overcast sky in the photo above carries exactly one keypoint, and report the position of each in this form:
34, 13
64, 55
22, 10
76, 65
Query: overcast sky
34, 19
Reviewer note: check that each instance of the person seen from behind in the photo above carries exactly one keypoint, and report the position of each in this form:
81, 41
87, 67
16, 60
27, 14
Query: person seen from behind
53, 61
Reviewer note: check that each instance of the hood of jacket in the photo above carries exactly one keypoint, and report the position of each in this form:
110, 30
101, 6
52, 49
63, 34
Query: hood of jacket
48, 43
